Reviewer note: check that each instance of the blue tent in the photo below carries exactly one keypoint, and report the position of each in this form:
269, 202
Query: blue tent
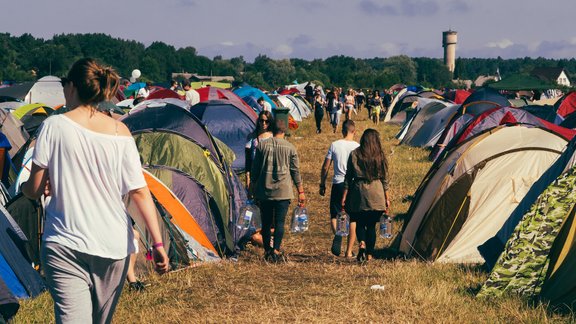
228, 123
15, 269
254, 92
253, 102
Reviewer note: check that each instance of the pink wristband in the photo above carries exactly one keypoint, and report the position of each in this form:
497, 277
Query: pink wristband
157, 245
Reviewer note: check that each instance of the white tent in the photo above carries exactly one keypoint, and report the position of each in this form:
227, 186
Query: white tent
467, 198
47, 90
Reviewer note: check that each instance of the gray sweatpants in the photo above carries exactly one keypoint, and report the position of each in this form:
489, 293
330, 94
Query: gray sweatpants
85, 288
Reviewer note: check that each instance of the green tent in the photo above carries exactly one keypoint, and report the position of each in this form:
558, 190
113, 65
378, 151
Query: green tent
522, 82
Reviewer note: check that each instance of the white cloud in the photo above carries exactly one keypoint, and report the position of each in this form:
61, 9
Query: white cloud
504, 43
572, 41
283, 49
389, 48
227, 43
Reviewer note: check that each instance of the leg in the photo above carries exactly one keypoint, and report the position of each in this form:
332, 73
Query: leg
372, 218
267, 214
360, 228
351, 239
336, 193
107, 276
131, 275
280, 211
68, 280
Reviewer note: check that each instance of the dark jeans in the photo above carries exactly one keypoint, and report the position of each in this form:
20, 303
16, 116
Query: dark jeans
318, 116
366, 227
273, 212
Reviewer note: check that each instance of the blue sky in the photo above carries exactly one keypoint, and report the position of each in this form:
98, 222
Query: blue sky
312, 28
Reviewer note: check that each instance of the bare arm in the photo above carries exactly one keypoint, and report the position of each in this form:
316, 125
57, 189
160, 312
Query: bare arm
36, 184
324, 175
145, 205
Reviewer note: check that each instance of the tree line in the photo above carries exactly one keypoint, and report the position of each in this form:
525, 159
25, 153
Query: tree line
24, 58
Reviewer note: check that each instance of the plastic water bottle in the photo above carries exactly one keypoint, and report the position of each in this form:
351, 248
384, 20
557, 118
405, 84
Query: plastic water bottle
385, 226
249, 216
342, 223
299, 220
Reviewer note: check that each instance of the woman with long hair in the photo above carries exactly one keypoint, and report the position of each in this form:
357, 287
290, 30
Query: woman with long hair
262, 132
366, 195
86, 162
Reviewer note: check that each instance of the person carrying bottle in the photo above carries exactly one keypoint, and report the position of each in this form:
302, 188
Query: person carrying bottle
338, 153
86, 161
365, 195
274, 168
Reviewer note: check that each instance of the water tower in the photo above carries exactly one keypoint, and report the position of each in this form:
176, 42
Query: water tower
449, 40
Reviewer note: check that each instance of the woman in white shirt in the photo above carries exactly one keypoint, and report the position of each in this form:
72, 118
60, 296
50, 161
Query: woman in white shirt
86, 161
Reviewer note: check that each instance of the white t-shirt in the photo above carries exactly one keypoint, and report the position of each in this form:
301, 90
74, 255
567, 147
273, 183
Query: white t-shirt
89, 173
143, 92
193, 97
339, 152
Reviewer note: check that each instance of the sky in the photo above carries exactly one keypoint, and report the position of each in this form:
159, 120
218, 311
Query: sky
310, 29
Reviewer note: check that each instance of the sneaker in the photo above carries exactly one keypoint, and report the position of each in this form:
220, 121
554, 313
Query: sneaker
337, 245
137, 286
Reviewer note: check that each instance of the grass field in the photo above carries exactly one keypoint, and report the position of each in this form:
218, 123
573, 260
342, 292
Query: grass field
314, 286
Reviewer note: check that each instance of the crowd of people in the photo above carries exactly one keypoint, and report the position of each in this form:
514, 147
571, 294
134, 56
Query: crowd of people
335, 103
360, 172
89, 244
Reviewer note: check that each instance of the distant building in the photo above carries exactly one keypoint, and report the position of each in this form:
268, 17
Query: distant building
480, 80
449, 40
206, 78
552, 74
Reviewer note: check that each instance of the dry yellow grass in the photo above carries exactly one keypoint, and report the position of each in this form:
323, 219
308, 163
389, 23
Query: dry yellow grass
315, 286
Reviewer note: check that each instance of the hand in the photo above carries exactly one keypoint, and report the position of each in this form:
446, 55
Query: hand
322, 190
301, 198
161, 261
387, 206
47, 188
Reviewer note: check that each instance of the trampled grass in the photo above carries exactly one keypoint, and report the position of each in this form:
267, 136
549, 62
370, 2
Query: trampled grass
314, 286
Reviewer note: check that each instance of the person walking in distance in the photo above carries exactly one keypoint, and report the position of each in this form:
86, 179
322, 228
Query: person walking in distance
86, 161
318, 104
366, 194
338, 154
274, 169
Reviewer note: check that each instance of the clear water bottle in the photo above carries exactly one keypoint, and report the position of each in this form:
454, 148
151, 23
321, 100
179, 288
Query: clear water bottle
342, 223
385, 227
249, 216
299, 220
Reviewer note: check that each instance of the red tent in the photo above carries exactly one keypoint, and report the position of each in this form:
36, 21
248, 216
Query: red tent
162, 93
213, 93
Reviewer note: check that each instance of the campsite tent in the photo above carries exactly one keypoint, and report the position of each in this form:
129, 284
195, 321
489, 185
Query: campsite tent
32, 115
177, 148
186, 241
298, 109
246, 91
467, 197
14, 130
538, 258
477, 103
210, 93
15, 268
47, 90
228, 122
424, 111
